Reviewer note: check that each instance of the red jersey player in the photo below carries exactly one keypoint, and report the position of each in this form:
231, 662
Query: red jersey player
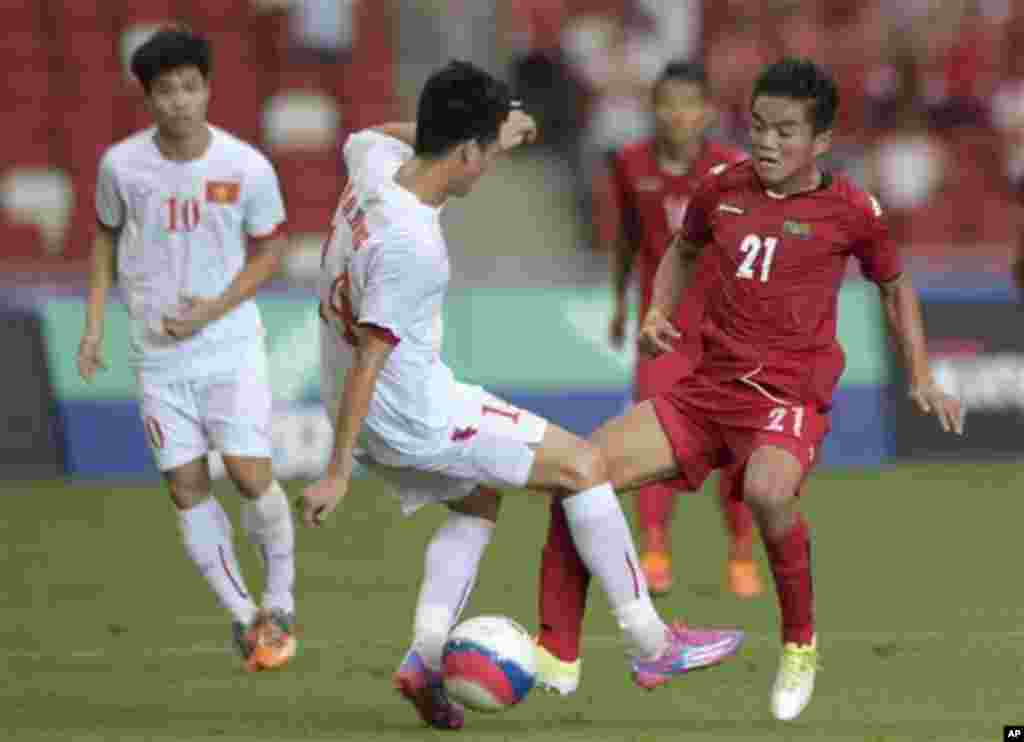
654, 180
775, 233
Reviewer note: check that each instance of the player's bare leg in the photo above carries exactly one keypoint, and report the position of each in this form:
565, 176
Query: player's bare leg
267, 519
773, 476
449, 573
207, 533
627, 452
741, 569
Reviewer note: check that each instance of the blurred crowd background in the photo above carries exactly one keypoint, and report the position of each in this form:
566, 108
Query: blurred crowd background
931, 116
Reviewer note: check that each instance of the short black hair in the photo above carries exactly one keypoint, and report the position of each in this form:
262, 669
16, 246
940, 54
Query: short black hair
460, 102
168, 49
802, 80
681, 70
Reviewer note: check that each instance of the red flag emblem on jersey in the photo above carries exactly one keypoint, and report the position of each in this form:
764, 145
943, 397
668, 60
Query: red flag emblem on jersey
222, 192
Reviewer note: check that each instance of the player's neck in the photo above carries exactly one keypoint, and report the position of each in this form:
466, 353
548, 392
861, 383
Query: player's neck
675, 159
424, 179
798, 183
184, 149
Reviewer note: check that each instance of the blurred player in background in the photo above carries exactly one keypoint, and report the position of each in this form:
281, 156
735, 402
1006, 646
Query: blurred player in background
775, 233
385, 277
653, 182
182, 201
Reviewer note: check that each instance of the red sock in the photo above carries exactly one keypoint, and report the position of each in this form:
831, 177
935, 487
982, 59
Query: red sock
791, 565
738, 520
654, 504
564, 580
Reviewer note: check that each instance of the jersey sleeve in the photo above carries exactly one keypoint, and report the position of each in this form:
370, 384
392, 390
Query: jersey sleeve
398, 282
264, 204
879, 256
110, 208
372, 157
697, 221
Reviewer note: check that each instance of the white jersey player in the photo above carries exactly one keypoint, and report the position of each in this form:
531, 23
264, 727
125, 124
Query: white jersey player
183, 201
386, 272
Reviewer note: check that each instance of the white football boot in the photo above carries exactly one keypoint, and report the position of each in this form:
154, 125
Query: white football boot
794, 684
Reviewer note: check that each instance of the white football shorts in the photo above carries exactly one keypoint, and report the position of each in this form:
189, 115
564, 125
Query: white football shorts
228, 412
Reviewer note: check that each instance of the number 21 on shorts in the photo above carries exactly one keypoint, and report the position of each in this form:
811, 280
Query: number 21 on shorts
753, 248
786, 420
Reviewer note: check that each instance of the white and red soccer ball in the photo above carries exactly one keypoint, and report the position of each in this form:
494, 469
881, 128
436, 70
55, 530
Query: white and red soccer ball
489, 663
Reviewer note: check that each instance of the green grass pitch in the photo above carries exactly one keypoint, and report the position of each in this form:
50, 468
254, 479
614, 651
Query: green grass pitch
108, 633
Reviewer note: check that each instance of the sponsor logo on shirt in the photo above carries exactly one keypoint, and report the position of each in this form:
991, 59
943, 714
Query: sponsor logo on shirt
648, 184
729, 209
222, 191
797, 229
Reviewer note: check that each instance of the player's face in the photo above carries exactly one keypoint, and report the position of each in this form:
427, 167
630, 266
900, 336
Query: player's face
783, 143
681, 111
178, 100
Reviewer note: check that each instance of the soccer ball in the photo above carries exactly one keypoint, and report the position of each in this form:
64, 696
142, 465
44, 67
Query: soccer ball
489, 663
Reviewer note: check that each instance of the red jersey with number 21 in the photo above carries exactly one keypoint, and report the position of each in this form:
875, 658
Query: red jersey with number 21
778, 263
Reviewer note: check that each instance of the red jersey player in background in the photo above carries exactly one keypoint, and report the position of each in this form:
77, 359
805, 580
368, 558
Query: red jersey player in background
775, 234
654, 180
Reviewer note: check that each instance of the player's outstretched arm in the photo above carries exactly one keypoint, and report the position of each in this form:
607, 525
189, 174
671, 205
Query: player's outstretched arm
903, 312
320, 499
675, 272
101, 276
260, 267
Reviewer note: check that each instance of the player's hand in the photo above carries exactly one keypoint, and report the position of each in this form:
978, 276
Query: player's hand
933, 401
617, 329
90, 356
319, 500
657, 334
196, 313
519, 128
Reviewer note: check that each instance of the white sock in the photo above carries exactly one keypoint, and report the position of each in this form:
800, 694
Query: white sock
206, 530
268, 521
605, 544
450, 566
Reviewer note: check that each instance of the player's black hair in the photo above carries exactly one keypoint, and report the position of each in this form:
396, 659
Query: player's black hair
681, 70
802, 80
169, 49
460, 102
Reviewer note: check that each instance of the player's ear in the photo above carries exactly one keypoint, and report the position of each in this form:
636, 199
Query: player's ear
822, 142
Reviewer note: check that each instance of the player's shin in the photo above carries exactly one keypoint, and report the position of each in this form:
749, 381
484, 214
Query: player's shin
564, 580
449, 573
206, 531
268, 521
605, 544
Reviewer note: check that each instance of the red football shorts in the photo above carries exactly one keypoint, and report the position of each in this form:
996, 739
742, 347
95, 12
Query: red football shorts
718, 425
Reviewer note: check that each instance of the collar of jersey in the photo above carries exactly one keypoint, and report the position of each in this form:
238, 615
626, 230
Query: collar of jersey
826, 181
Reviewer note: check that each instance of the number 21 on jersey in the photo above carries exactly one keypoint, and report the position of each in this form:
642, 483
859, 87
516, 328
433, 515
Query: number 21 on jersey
758, 254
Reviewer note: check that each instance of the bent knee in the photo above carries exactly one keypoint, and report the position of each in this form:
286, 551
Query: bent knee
764, 493
585, 469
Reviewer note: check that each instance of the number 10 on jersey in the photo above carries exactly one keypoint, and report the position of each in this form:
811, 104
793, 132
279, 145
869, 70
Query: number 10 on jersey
756, 250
